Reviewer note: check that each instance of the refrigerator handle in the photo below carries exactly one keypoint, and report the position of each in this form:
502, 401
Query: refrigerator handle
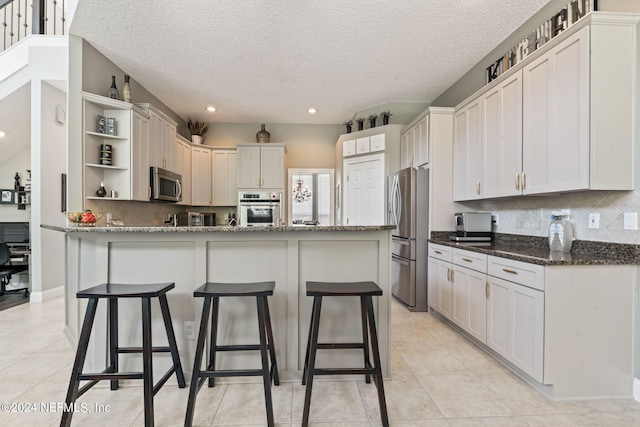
394, 208
398, 202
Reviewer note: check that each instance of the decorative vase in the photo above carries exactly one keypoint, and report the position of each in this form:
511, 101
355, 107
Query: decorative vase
196, 139
101, 191
126, 90
113, 90
349, 126
372, 122
385, 119
360, 124
262, 135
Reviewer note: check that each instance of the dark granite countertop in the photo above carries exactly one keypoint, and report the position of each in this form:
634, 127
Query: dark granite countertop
216, 229
535, 250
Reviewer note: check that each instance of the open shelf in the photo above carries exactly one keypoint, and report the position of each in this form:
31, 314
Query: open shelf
94, 165
105, 136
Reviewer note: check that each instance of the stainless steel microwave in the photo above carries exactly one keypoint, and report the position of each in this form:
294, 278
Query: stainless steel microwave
166, 186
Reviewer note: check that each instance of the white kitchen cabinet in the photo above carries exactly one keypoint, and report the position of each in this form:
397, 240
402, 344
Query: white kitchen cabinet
469, 288
225, 190
377, 142
556, 118
118, 176
200, 176
567, 104
140, 175
362, 145
162, 137
349, 148
502, 138
414, 143
260, 166
467, 152
439, 279
182, 159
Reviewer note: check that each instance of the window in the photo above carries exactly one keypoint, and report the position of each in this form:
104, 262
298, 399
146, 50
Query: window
310, 196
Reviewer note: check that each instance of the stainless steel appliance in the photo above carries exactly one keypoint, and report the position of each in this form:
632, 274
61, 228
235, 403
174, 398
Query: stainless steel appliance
166, 186
409, 210
259, 209
190, 219
472, 227
209, 219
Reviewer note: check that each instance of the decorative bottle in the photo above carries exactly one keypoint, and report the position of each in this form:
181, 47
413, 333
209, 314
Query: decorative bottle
560, 234
126, 90
113, 90
101, 191
262, 135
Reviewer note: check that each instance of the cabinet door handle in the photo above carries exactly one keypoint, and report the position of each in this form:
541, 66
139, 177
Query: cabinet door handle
486, 290
478, 188
452, 279
517, 181
524, 181
448, 274
506, 270
467, 260
438, 252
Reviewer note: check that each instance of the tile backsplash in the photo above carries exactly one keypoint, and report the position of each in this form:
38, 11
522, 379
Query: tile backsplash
149, 214
531, 215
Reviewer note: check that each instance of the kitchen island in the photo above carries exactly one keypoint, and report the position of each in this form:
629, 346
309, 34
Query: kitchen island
190, 256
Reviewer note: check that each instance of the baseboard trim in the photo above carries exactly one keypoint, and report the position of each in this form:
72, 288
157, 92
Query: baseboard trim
47, 295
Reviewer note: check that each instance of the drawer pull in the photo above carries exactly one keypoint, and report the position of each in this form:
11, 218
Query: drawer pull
467, 259
438, 252
486, 289
506, 270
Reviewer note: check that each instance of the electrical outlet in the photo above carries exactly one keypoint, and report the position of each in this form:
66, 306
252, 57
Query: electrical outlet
190, 330
631, 220
594, 220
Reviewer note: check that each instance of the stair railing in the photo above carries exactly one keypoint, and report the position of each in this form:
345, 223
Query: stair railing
20, 18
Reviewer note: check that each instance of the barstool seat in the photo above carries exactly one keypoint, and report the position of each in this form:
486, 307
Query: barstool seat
113, 292
365, 290
212, 292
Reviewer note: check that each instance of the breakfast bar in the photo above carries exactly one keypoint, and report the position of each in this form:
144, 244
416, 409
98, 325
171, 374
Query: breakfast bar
189, 256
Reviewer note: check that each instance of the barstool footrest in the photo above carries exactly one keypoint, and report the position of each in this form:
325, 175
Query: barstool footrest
238, 347
344, 371
340, 345
128, 350
232, 373
111, 376
161, 381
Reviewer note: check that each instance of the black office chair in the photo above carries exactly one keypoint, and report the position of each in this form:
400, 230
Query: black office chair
7, 269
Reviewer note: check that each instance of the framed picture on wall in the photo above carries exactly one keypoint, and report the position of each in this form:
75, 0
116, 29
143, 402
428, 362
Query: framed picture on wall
6, 196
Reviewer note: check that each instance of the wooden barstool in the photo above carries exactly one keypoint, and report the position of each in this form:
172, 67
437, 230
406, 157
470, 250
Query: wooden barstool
364, 290
113, 292
212, 292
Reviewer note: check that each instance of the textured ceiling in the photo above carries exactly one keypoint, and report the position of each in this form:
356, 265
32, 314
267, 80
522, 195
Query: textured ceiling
269, 61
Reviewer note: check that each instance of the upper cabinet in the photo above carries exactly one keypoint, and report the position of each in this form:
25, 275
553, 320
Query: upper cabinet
182, 159
467, 147
113, 135
561, 120
201, 175
260, 166
225, 189
363, 145
414, 143
162, 138
140, 176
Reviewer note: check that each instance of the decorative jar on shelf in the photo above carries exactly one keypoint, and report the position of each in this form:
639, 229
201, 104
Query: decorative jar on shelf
101, 191
263, 135
126, 90
113, 90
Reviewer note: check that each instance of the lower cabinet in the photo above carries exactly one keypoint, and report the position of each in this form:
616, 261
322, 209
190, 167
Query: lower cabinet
439, 279
469, 309
515, 325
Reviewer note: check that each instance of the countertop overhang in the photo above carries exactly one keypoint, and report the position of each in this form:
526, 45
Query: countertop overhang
216, 229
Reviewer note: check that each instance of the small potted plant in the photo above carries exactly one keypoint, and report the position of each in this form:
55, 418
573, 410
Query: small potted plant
372, 120
385, 117
360, 121
197, 128
349, 126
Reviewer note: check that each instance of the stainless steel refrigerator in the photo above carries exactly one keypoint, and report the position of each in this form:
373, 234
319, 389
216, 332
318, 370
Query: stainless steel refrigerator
409, 210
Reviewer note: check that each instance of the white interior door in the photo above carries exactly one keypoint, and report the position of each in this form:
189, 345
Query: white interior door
364, 190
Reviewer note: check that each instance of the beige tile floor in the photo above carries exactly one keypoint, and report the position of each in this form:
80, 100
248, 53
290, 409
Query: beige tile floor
439, 379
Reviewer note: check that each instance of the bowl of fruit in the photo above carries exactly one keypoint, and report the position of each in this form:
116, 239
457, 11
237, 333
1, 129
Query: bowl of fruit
83, 218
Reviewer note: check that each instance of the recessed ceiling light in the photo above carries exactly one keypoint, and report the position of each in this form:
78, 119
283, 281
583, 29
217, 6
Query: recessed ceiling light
211, 109
312, 110
2, 134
